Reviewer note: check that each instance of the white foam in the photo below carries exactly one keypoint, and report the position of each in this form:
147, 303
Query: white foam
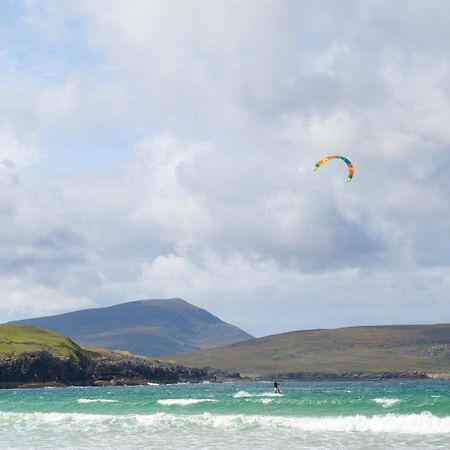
270, 394
410, 424
96, 400
184, 401
266, 401
414, 424
386, 402
243, 394
152, 384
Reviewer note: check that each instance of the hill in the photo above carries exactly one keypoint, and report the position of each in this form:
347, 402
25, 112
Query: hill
146, 327
18, 339
33, 357
338, 352
29, 355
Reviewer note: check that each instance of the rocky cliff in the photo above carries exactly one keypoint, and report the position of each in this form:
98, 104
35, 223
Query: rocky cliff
98, 369
33, 357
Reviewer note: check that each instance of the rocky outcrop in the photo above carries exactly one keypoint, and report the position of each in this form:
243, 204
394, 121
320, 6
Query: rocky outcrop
120, 369
106, 368
44, 367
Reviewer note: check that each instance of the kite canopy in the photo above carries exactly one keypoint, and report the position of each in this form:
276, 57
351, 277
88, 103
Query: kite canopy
328, 158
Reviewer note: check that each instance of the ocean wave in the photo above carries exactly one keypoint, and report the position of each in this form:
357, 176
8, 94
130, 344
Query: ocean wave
386, 402
184, 401
243, 394
269, 394
408, 424
96, 400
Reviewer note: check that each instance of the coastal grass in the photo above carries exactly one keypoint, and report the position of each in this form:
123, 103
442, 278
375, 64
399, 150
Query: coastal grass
99, 352
415, 348
18, 339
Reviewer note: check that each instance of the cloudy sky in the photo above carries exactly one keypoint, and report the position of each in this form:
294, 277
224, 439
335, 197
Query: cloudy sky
156, 149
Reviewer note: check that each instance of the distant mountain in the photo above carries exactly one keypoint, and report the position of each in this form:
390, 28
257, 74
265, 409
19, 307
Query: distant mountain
344, 352
146, 327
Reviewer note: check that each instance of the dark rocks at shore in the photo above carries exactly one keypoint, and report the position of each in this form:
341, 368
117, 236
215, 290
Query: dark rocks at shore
104, 368
349, 376
43, 367
107, 369
118, 369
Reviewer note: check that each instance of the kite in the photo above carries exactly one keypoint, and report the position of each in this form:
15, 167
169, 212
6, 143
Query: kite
349, 164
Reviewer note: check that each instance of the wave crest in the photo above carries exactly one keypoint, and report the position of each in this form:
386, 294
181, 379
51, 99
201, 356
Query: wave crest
96, 400
244, 394
411, 424
183, 401
386, 402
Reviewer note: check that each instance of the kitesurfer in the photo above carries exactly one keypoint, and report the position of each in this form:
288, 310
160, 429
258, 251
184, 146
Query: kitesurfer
276, 387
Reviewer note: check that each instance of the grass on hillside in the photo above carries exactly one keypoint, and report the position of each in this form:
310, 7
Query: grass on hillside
99, 352
17, 339
359, 350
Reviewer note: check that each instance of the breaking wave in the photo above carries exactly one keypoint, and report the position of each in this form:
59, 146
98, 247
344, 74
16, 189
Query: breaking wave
96, 400
411, 424
243, 394
184, 401
386, 402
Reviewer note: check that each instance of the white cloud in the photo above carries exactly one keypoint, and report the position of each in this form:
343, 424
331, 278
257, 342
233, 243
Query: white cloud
265, 297
162, 200
17, 152
21, 300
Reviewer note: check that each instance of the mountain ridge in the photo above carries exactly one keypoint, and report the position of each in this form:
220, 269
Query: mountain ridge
151, 327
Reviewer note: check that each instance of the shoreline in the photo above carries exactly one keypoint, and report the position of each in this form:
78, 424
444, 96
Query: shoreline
429, 377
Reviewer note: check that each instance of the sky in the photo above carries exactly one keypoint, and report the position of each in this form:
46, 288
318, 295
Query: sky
160, 149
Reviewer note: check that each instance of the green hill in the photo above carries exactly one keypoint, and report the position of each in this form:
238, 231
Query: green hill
147, 327
19, 339
370, 350
31, 357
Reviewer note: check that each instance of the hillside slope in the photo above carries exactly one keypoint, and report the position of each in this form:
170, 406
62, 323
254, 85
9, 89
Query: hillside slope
423, 348
146, 327
17, 339
33, 357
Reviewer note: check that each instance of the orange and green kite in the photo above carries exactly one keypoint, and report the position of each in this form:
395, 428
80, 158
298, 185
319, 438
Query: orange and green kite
328, 158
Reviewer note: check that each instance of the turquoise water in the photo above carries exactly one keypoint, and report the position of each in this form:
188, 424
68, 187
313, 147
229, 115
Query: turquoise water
319, 415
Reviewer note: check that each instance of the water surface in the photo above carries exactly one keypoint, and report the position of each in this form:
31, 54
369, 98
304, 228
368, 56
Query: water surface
318, 415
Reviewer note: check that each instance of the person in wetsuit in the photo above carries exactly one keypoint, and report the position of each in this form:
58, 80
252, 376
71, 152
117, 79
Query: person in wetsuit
276, 387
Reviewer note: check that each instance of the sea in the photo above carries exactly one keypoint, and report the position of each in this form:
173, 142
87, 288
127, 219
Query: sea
317, 415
